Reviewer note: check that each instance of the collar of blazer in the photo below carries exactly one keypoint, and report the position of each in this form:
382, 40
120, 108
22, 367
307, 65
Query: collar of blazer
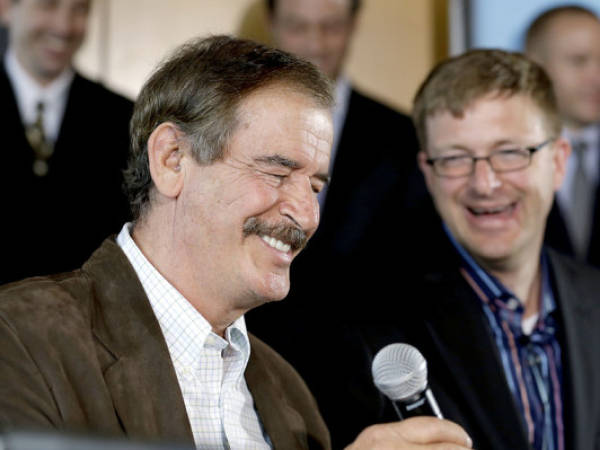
138, 370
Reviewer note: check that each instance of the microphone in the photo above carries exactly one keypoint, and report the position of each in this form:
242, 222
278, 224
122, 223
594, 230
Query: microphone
400, 373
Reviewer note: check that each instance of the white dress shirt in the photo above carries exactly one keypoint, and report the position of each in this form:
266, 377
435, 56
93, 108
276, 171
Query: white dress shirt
210, 369
29, 93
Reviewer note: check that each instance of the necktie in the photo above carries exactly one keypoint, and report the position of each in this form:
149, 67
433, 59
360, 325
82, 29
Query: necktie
42, 148
581, 207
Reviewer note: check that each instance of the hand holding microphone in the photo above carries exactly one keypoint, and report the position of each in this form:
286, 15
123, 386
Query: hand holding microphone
400, 372
416, 433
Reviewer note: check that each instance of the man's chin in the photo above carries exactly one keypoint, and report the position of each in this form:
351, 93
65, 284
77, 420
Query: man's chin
275, 287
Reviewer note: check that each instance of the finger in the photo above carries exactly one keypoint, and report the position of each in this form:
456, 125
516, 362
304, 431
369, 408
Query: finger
431, 430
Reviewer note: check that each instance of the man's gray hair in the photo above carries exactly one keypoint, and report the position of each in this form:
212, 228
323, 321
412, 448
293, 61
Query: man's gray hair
199, 88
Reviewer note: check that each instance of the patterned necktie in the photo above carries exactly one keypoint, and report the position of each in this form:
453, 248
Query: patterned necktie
581, 206
42, 148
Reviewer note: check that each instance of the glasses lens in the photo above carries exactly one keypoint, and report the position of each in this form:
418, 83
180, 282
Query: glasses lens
506, 160
453, 166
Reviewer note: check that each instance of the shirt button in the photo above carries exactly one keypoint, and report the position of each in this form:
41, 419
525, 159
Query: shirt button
512, 304
187, 373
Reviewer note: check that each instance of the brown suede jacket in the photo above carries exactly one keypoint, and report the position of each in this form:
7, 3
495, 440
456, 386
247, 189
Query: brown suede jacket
83, 351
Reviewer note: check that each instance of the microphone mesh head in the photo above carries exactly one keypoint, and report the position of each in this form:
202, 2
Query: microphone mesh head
399, 371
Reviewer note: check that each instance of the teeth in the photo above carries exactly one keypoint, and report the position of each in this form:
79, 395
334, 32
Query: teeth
488, 210
276, 243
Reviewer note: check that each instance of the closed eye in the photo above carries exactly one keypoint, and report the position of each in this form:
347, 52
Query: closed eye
451, 160
509, 151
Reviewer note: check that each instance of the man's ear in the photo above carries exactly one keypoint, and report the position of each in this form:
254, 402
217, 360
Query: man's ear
425, 168
165, 154
562, 150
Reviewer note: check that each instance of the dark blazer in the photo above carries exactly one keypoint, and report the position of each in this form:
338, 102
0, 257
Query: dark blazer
374, 180
376, 152
53, 223
446, 323
375, 185
557, 235
84, 351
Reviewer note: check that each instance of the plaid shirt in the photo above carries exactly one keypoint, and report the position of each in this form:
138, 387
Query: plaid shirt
210, 369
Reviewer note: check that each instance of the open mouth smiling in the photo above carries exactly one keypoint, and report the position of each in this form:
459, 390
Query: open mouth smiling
491, 210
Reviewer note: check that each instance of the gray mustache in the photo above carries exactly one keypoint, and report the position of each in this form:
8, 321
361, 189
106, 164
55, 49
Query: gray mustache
293, 236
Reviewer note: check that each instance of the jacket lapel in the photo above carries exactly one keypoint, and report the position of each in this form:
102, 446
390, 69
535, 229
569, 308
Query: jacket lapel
580, 313
466, 359
282, 423
137, 365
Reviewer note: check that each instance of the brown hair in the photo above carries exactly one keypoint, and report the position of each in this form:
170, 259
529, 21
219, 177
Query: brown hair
199, 88
453, 85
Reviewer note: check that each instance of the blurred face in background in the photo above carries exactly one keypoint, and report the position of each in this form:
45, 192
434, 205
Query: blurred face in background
316, 30
45, 34
570, 53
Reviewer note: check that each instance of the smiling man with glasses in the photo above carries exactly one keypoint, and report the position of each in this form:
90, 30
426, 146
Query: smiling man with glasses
506, 325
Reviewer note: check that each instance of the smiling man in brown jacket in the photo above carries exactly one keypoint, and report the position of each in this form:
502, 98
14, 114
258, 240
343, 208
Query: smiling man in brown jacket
230, 144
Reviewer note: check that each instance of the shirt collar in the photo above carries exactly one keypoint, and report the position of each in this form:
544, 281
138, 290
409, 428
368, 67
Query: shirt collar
495, 291
589, 134
28, 93
28, 89
186, 331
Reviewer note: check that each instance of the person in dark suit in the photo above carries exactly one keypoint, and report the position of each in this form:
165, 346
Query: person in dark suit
504, 322
373, 166
374, 146
230, 145
566, 41
63, 188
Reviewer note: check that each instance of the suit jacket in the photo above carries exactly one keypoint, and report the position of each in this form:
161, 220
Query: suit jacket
53, 223
84, 351
557, 235
444, 320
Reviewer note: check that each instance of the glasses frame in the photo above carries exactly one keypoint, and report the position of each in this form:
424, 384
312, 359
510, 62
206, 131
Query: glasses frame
531, 150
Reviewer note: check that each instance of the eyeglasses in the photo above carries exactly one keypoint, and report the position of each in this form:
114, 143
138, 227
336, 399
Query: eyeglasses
506, 160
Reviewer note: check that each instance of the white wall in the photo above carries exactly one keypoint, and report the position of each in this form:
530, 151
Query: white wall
502, 23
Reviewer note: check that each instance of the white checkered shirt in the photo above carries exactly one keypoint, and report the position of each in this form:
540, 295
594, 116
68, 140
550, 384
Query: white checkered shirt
210, 369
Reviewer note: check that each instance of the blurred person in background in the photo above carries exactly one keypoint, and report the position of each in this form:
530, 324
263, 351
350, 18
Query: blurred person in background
373, 166
65, 143
566, 42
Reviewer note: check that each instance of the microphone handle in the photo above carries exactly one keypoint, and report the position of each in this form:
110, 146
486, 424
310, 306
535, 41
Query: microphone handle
422, 404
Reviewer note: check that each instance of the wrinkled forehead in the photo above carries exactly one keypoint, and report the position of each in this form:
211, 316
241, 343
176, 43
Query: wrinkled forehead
280, 107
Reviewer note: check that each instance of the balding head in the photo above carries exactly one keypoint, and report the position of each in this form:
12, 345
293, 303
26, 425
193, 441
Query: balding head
566, 42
